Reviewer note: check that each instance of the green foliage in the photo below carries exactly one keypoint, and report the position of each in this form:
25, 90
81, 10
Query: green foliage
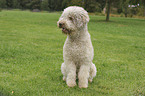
35, 4
125, 7
3, 4
31, 53
102, 3
24, 4
54, 5
59, 5
92, 6
137, 11
76, 3
9, 3
44, 5
16, 4
65, 3
121, 15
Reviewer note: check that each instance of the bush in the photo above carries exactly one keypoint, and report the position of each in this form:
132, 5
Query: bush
121, 15
16, 9
140, 11
119, 10
99, 14
130, 15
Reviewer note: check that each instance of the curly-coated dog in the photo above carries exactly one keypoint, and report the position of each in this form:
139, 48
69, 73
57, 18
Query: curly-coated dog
78, 51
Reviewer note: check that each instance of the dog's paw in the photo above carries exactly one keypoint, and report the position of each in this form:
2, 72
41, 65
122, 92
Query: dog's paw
83, 86
71, 83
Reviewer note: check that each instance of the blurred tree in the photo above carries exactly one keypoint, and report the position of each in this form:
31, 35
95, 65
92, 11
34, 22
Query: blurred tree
125, 4
144, 8
44, 5
16, 4
112, 3
137, 7
58, 5
76, 3
9, 3
102, 3
3, 4
51, 5
108, 2
24, 4
55, 5
89, 5
92, 5
65, 4
35, 4
142, 3
118, 4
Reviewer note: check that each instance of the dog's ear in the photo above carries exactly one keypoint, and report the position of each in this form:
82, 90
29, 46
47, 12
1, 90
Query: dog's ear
81, 19
85, 18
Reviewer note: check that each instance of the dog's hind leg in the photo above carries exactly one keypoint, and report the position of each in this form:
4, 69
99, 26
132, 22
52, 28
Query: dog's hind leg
92, 72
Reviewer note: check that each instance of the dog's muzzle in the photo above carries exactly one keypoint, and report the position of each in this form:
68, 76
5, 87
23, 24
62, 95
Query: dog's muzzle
64, 30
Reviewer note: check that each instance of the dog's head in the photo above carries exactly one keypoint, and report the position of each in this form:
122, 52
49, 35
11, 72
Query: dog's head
72, 19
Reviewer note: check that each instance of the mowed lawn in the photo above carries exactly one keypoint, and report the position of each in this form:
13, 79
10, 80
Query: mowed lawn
31, 54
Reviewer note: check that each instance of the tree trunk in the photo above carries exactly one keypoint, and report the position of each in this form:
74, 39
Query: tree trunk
108, 9
125, 12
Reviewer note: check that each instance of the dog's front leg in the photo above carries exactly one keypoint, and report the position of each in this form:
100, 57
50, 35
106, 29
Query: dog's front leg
71, 73
83, 75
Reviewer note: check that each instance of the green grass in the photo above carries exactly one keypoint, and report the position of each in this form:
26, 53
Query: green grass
31, 48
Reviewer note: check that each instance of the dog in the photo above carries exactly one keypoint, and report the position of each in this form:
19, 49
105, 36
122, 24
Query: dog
78, 51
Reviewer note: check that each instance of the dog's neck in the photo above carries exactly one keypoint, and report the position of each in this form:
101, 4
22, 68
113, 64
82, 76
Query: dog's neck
80, 34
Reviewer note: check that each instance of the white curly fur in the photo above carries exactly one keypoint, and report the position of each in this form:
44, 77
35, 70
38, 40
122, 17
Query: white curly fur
78, 51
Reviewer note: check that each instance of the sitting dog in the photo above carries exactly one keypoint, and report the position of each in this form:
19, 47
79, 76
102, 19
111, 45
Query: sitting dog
78, 51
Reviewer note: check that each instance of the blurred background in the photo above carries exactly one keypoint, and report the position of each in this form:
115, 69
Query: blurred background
121, 8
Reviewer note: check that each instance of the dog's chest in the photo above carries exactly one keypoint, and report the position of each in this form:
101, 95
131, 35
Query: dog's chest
75, 50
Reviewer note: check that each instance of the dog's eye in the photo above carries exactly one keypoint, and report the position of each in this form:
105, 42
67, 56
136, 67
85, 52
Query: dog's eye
70, 18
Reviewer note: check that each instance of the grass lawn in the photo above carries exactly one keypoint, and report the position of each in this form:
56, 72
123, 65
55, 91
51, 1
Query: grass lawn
31, 48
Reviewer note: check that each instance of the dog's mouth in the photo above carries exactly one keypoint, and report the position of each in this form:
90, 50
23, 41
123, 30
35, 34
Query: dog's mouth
65, 31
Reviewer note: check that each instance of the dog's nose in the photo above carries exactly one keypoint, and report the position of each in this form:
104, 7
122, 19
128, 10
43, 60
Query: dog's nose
60, 25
